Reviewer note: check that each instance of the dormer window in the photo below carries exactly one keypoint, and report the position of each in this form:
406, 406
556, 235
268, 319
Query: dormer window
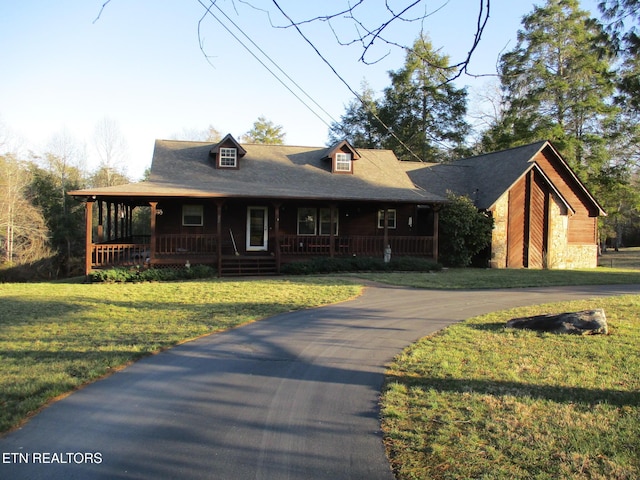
228, 157
227, 153
342, 157
343, 162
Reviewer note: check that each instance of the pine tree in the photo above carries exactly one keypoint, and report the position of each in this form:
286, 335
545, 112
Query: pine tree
558, 85
423, 109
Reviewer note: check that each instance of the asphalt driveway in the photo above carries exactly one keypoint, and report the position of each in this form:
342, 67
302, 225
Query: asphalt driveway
290, 397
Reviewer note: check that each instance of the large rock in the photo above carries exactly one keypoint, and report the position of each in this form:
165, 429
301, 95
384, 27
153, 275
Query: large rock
587, 322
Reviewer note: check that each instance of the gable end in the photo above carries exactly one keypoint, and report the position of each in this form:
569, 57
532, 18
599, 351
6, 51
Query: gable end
227, 153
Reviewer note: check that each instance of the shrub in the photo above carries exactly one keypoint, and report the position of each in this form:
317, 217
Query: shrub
126, 274
358, 264
464, 231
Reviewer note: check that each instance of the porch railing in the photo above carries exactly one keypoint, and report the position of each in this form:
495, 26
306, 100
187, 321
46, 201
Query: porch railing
169, 246
355, 245
192, 244
125, 254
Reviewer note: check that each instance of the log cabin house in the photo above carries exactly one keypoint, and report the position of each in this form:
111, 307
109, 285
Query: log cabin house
247, 209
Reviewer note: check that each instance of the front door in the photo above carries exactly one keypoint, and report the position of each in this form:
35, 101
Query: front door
257, 229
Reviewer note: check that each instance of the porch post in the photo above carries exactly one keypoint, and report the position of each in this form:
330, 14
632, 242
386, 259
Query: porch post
436, 235
219, 234
332, 217
88, 237
152, 254
109, 220
100, 221
386, 228
276, 212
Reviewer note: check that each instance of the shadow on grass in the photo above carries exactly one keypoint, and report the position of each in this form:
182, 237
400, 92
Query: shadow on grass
585, 396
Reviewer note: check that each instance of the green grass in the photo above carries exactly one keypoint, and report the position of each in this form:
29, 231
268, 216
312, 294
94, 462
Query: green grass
55, 337
477, 400
465, 278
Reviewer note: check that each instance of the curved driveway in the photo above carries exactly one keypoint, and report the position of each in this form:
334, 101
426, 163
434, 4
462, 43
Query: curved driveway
290, 397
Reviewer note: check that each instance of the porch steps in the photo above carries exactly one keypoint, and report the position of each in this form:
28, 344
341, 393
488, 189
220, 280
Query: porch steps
236, 266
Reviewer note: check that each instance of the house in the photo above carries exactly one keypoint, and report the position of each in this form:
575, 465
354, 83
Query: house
250, 208
544, 217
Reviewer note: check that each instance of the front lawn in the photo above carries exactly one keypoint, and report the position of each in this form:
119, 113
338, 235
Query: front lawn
478, 400
55, 337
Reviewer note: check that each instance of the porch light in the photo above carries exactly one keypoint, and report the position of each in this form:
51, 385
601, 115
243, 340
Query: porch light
159, 211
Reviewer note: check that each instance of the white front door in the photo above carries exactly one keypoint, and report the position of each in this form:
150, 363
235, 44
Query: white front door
257, 229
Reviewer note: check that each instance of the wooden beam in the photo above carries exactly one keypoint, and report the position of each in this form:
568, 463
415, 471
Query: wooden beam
152, 254
219, 234
88, 237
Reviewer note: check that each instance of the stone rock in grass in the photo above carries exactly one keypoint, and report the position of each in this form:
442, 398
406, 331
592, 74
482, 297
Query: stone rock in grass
586, 322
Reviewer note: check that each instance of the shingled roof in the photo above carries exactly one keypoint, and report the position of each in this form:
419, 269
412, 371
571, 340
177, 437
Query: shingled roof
182, 168
484, 178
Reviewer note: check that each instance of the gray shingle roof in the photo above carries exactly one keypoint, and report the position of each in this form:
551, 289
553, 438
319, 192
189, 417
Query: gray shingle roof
483, 178
272, 171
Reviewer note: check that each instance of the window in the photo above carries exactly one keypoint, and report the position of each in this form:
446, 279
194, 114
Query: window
343, 162
306, 221
391, 218
228, 157
313, 221
325, 222
192, 216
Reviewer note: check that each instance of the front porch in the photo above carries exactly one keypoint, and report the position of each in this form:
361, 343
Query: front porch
210, 249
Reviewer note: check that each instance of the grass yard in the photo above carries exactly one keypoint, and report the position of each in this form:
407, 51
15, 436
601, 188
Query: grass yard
55, 337
478, 400
621, 267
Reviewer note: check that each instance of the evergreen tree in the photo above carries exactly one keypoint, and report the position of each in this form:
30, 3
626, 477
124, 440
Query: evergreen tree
359, 124
264, 131
423, 109
558, 85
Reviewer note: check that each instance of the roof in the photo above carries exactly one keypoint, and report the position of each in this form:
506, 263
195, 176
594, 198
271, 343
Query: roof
485, 178
182, 168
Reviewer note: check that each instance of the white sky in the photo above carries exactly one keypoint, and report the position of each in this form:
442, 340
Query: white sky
141, 66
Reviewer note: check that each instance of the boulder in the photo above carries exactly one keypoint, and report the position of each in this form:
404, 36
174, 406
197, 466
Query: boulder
586, 322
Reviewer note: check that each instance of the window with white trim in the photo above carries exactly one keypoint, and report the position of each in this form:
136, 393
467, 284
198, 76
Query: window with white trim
343, 162
312, 221
228, 157
192, 215
391, 218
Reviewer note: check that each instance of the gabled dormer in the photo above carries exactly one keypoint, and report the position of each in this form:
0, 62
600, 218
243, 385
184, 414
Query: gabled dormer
227, 153
342, 156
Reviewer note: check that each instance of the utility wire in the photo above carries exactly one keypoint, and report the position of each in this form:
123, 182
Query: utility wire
357, 95
209, 12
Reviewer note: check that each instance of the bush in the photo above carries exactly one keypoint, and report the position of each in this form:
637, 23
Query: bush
126, 274
358, 264
464, 231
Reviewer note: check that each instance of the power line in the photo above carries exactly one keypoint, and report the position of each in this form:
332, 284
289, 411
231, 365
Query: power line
209, 12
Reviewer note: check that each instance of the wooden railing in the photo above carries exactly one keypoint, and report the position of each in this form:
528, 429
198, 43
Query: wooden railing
109, 254
180, 247
192, 244
355, 245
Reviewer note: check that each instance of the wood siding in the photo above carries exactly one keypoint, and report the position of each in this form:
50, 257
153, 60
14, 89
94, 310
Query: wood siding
583, 223
516, 225
538, 220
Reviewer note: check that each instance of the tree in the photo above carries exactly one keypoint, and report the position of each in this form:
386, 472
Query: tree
557, 85
210, 134
112, 151
264, 131
359, 124
425, 113
625, 21
23, 232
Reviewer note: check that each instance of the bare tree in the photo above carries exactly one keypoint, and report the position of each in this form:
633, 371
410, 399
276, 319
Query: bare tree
23, 231
210, 134
111, 148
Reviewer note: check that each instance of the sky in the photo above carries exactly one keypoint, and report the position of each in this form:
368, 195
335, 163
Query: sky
155, 70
